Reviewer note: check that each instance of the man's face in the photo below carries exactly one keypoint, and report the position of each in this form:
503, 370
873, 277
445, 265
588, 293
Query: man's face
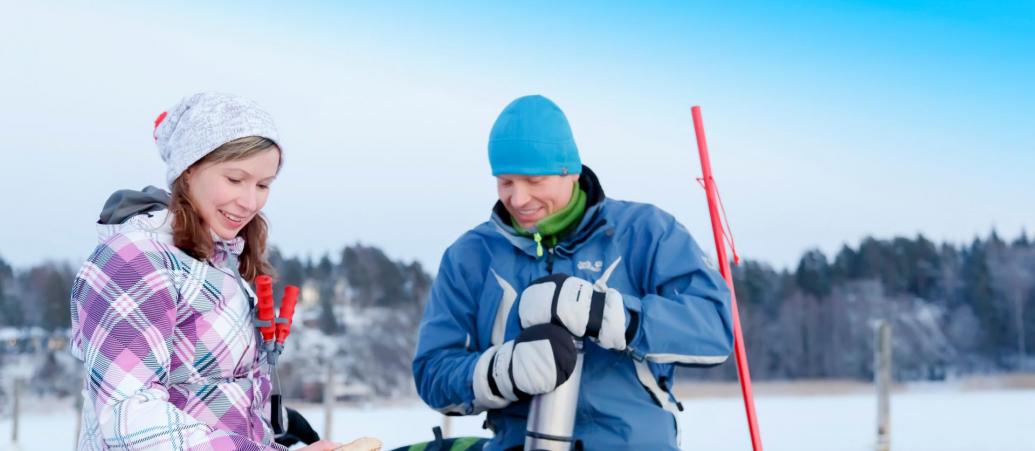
530, 198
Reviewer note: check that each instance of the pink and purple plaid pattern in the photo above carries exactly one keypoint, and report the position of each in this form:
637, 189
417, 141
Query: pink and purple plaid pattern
168, 346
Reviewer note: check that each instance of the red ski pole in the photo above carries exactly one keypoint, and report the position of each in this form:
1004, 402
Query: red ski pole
724, 269
287, 314
282, 327
264, 310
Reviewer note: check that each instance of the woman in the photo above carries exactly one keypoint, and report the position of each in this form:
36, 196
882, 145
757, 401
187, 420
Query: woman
162, 311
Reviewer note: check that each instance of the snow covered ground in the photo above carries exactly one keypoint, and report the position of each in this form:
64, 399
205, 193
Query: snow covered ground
923, 419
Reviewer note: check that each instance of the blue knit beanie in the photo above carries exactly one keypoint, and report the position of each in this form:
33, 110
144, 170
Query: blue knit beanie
532, 137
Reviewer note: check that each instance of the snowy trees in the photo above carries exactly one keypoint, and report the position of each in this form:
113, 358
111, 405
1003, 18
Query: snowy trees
366, 308
968, 309
38, 297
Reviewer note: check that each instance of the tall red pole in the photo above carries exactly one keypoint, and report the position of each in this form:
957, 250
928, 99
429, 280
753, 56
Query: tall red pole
724, 269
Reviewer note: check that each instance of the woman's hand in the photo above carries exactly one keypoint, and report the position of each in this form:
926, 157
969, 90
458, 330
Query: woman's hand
322, 445
363, 444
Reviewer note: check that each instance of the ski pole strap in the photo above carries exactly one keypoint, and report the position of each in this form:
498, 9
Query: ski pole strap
727, 232
272, 354
234, 264
276, 401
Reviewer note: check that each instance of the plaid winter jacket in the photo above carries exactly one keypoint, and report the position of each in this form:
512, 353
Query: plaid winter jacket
168, 345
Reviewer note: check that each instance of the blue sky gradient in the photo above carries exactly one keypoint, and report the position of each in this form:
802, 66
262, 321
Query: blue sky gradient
828, 121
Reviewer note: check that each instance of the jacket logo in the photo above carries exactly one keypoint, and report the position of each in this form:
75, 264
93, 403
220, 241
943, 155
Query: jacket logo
591, 266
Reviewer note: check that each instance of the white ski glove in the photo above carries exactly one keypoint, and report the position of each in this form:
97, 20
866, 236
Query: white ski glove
578, 306
539, 360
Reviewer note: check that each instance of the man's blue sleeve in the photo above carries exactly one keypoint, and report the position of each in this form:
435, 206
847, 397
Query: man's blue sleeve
685, 316
445, 359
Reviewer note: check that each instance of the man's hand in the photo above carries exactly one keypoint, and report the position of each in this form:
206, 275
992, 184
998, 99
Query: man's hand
540, 359
574, 303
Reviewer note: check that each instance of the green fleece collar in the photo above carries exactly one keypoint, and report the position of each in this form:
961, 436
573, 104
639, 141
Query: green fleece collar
556, 224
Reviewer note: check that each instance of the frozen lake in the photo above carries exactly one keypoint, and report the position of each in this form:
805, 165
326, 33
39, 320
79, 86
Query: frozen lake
923, 419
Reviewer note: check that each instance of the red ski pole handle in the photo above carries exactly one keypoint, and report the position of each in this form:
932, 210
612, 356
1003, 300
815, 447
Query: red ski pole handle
287, 313
264, 309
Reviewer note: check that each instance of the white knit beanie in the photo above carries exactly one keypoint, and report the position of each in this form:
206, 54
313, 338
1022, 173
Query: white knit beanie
202, 122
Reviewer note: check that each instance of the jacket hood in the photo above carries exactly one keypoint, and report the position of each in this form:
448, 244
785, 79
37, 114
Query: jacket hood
126, 203
147, 211
128, 209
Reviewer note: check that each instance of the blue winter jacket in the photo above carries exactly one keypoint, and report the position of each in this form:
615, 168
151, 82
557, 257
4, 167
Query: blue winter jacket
678, 308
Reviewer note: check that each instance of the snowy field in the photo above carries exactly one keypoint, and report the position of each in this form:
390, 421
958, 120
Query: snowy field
923, 419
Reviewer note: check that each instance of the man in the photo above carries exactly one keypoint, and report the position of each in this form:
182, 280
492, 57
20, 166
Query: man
558, 260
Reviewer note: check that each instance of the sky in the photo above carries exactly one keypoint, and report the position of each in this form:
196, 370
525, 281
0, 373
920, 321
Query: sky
827, 121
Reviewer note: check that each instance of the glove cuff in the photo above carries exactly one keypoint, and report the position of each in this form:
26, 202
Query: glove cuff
482, 382
611, 334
